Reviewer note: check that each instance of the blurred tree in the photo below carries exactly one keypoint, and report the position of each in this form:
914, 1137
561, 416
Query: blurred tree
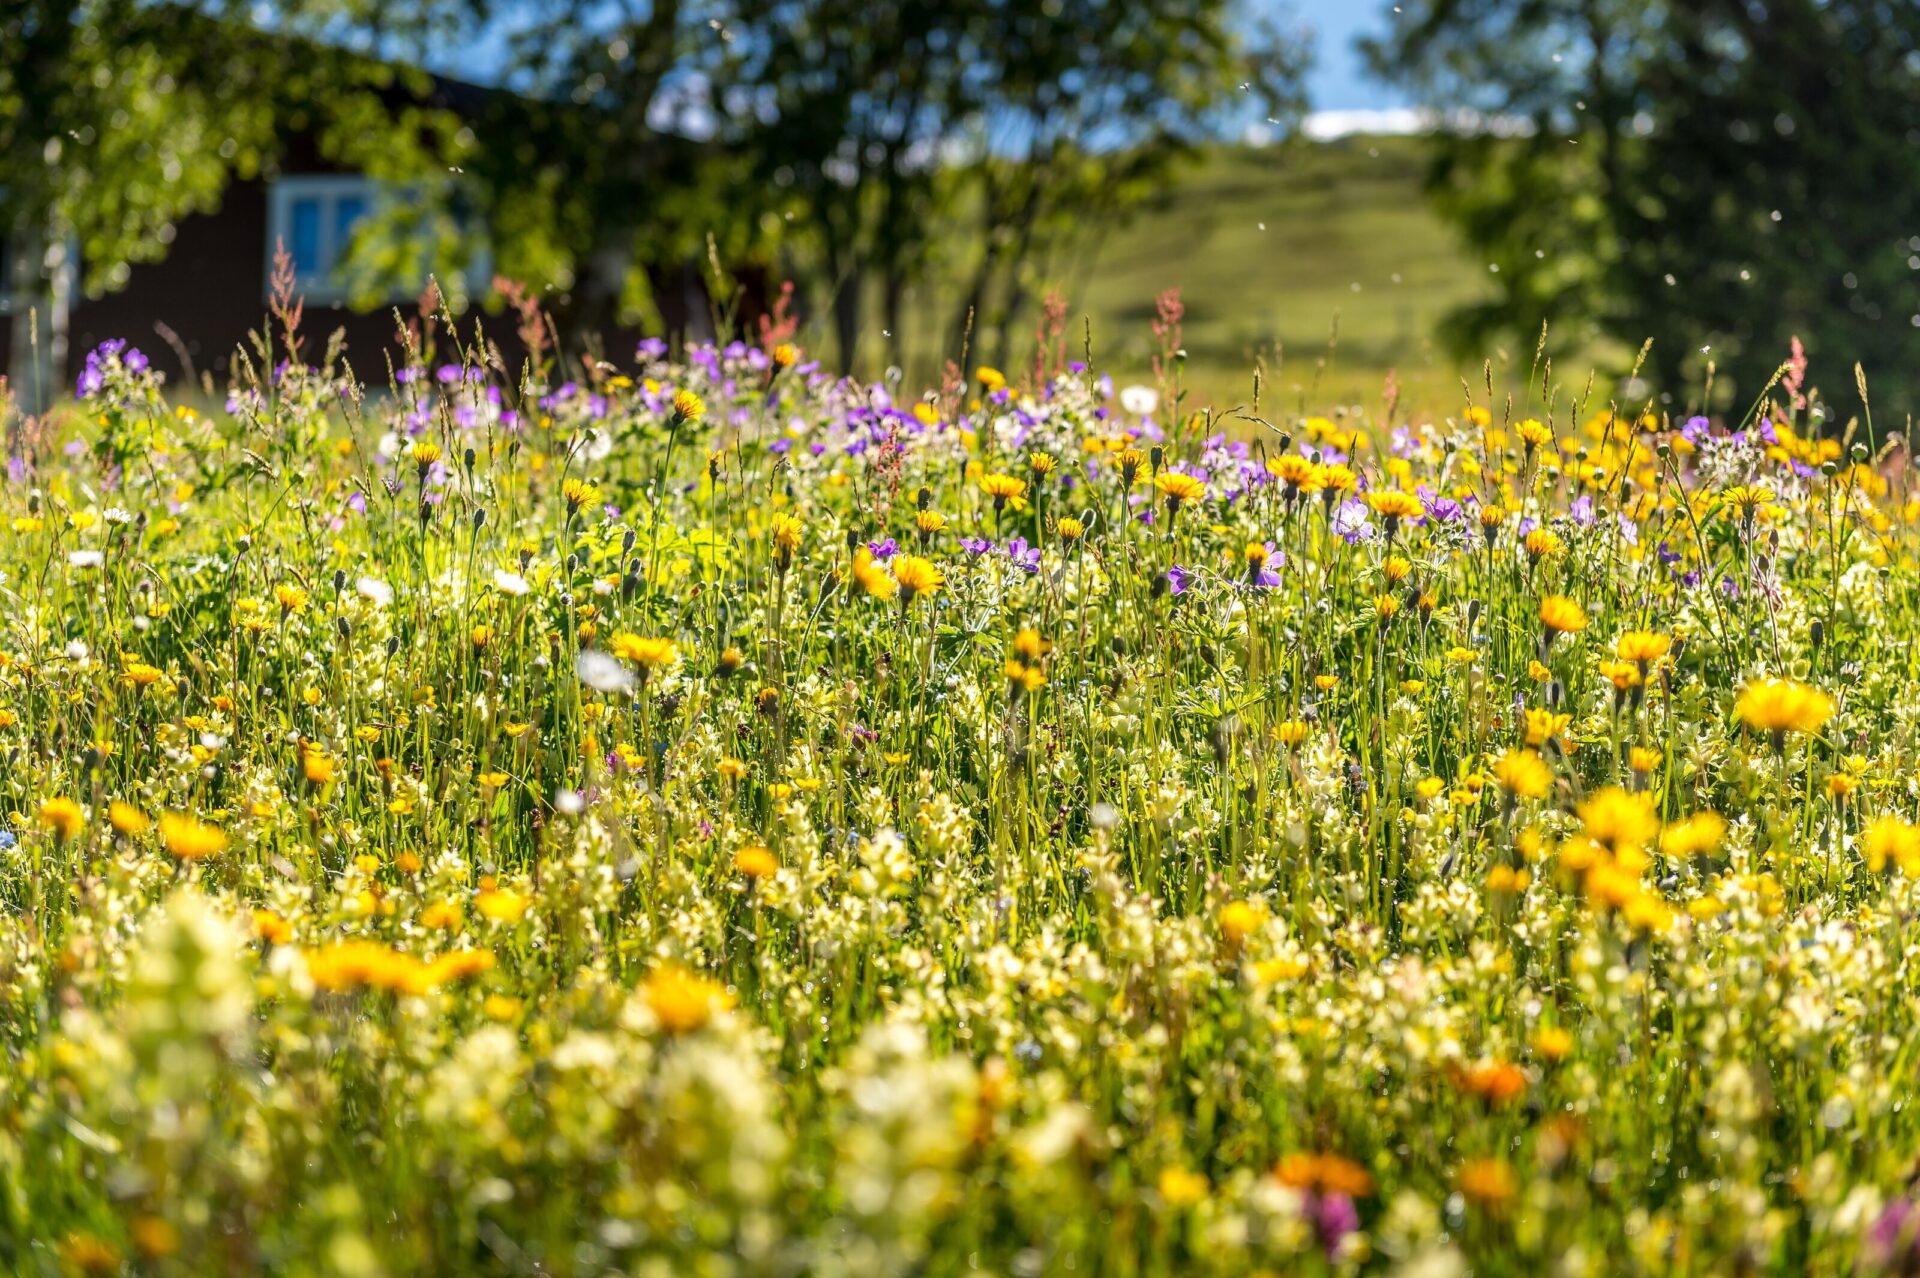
1040, 122
1077, 132
120, 117
1720, 175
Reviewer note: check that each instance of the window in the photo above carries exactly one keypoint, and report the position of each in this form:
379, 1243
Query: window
315, 216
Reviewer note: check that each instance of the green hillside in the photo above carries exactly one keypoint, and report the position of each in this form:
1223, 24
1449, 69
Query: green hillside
1270, 247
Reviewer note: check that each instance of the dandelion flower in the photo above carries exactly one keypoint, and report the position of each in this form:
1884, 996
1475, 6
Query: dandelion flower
681, 1001
191, 839
1562, 616
62, 816
1779, 706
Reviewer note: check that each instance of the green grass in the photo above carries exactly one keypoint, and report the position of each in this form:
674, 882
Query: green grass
1271, 249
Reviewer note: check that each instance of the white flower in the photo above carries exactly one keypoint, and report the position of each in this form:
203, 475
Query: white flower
510, 583
600, 672
117, 515
378, 592
1139, 400
85, 558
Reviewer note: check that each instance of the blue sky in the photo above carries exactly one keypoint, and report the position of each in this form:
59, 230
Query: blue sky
1339, 81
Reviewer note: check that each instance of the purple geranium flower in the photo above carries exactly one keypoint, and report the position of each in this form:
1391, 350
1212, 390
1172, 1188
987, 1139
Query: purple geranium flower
975, 546
1023, 555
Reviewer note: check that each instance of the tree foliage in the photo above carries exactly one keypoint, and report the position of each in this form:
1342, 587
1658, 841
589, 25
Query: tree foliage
1719, 175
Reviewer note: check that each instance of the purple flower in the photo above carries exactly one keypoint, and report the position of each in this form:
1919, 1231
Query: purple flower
975, 546
884, 549
1334, 1217
1582, 510
1179, 579
1023, 555
1892, 1243
1350, 522
1266, 574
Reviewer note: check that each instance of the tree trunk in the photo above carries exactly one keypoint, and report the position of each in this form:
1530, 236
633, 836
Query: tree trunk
846, 315
41, 293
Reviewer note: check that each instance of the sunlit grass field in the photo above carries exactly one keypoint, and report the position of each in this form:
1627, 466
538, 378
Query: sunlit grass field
725, 819
1324, 259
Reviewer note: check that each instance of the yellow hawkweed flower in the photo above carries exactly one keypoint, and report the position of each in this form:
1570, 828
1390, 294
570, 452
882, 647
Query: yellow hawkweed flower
756, 862
916, 576
1524, 773
1642, 647
646, 653
1561, 615
681, 1001
190, 839
688, 407
579, 493
62, 816
127, 819
1177, 487
1003, 489
1780, 706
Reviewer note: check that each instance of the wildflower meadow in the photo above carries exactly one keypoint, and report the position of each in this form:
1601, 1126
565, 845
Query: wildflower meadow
695, 814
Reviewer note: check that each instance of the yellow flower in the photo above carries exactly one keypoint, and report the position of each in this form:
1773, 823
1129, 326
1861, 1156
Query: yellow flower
292, 598
1180, 1188
1177, 487
646, 653
1780, 706
127, 819
787, 531
1298, 474
1642, 647
1747, 499
1561, 615
501, 905
1623, 675
688, 406
316, 765
917, 576
1524, 773
990, 379
1534, 433
873, 579
62, 816
681, 1001
1003, 488
1543, 543
1696, 835
756, 862
579, 493
1240, 919
1891, 839
1392, 505
425, 454
1487, 1183
191, 839
1069, 528
1618, 819
1552, 1043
